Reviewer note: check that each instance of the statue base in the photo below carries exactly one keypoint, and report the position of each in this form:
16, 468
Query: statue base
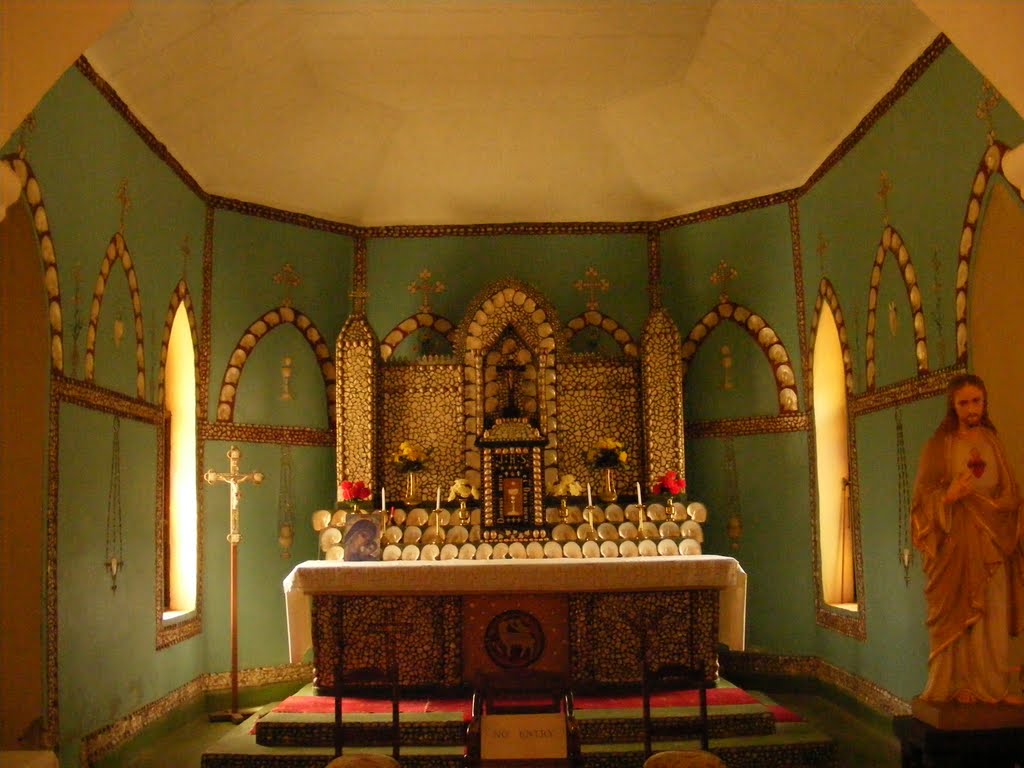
954, 716
952, 735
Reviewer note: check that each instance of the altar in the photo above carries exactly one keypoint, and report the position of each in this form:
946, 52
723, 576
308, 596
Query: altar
447, 622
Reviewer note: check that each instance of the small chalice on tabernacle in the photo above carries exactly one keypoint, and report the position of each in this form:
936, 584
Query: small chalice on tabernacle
463, 491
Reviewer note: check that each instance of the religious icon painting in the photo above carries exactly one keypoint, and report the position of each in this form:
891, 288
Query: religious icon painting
361, 541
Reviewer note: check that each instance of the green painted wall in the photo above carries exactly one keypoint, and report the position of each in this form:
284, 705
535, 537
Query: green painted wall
758, 246
81, 149
550, 263
930, 145
248, 253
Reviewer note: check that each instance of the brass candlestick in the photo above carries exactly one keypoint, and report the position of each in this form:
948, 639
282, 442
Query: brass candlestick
588, 516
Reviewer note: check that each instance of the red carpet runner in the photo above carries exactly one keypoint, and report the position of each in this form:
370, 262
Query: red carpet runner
717, 697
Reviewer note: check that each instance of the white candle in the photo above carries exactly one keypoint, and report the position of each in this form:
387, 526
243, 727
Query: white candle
383, 506
438, 498
639, 500
590, 500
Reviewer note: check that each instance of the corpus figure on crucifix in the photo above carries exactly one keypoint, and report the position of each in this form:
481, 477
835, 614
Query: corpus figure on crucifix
233, 478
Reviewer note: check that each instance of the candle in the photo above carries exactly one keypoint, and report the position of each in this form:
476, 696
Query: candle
383, 506
639, 500
438, 498
590, 500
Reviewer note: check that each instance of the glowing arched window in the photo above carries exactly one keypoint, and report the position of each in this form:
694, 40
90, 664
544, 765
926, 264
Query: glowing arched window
835, 530
181, 545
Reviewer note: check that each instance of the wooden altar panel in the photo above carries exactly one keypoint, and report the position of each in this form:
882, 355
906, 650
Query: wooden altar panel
537, 629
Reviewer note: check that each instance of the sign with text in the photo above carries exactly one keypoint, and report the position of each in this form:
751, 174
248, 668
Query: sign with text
523, 737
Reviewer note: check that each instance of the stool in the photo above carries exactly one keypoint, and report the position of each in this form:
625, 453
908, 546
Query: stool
363, 761
684, 760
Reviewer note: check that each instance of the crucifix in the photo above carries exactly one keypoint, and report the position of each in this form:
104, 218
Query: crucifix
884, 188
289, 278
723, 275
591, 285
126, 203
424, 286
234, 479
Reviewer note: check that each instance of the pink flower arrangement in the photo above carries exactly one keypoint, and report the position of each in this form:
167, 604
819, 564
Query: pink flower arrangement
670, 484
354, 491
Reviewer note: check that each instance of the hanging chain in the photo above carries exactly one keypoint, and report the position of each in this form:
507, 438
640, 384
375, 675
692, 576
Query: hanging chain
115, 534
906, 552
734, 523
285, 506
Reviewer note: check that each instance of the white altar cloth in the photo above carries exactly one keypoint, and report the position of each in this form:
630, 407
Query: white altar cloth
526, 576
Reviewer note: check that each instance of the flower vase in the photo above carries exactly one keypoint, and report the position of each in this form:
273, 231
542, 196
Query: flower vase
608, 492
412, 495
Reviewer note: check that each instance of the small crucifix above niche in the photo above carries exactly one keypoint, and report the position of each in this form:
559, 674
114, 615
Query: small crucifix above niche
289, 278
186, 255
723, 275
884, 188
126, 203
821, 250
425, 287
591, 285
990, 98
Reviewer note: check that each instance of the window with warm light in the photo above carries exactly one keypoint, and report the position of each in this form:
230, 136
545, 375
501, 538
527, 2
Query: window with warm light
835, 528
181, 521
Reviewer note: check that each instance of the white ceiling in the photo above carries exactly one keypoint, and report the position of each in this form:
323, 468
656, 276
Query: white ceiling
378, 112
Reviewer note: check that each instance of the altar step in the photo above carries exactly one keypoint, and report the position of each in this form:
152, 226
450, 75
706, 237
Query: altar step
793, 745
744, 736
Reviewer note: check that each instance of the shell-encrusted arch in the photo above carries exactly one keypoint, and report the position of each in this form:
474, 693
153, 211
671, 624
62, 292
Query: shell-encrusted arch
410, 325
117, 252
252, 336
509, 303
502, 305
765, 337
990, 164
180, 296
32, 192
892, 242
594, 318
827, 295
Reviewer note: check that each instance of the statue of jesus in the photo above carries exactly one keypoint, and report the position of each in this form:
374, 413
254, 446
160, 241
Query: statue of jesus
966, 521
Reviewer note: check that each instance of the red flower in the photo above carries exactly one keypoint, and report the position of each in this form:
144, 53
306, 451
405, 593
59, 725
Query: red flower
670, 484
354, 491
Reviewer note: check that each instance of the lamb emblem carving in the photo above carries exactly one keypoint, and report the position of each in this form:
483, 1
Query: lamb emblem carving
514, 639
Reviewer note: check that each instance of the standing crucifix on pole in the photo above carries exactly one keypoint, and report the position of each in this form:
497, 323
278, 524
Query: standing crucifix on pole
233, 478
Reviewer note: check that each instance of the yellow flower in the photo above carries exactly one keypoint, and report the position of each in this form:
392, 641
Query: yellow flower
566, 486
410, 456
607, 453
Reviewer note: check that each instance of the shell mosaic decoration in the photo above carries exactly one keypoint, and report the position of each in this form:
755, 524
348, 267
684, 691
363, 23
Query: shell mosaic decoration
251, 337
765, 337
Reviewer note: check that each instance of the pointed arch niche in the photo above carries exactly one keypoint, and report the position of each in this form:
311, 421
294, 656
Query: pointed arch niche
179, 581
838, 558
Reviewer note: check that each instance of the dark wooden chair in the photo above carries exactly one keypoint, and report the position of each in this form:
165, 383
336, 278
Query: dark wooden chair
673, 677
523, 693
378, 681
